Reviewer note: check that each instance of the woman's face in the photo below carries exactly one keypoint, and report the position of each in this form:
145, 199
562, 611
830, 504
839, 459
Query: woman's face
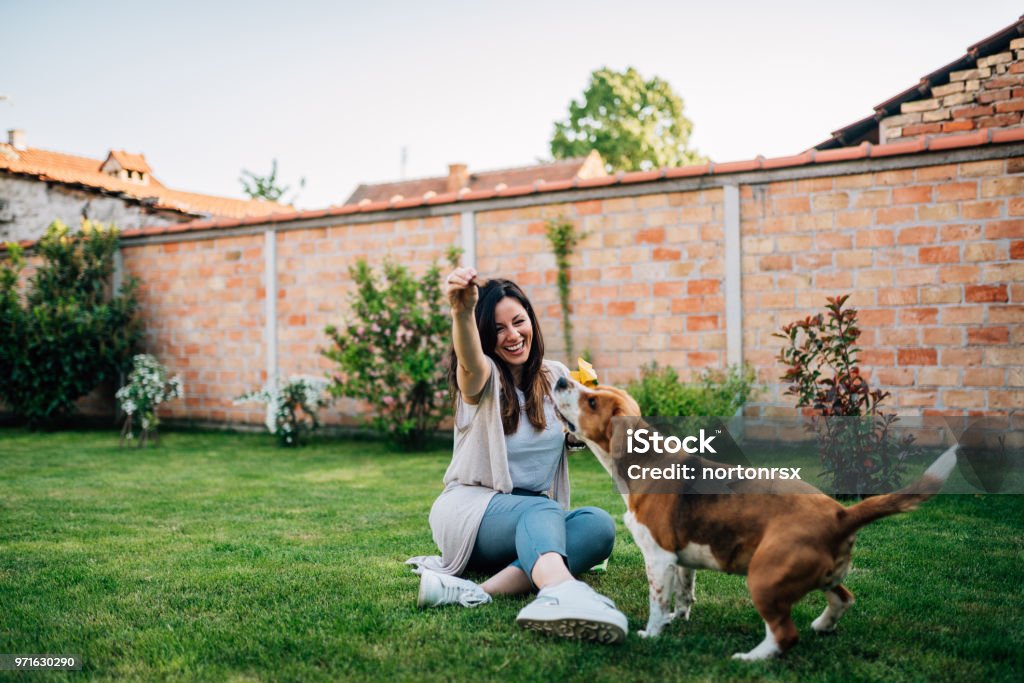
515, 333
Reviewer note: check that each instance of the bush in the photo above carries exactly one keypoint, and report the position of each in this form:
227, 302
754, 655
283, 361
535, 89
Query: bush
392, 352
858, 455
148, 386
659, 392
70, 332
291, 408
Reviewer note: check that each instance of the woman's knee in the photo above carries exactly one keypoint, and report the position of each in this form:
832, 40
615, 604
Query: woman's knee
596, 525
544, 512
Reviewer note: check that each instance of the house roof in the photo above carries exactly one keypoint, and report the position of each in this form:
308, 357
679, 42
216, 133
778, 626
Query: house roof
979, 138
86, 173
590, 166
866, 129
129, 162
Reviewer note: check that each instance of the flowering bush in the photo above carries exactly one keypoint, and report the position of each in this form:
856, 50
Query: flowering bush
291, 408
148, 386
392, 353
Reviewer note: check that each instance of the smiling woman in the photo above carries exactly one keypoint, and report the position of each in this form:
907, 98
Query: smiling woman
505, 503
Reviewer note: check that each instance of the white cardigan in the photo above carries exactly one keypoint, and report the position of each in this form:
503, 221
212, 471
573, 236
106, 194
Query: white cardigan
479, 469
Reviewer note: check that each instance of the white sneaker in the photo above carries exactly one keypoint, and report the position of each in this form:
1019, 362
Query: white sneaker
441, 589
573, 609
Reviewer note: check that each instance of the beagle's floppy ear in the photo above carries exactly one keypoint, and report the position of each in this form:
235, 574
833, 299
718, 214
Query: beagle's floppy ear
617, 431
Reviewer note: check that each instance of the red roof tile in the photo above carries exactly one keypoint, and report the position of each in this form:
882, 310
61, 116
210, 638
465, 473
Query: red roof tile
862, 151
85, 172
130, 162
557, 171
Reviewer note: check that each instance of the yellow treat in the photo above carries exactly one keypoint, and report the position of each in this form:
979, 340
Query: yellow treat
585, 375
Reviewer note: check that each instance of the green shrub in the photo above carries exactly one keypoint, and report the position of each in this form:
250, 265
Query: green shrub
719, 394
69, 332
392, 351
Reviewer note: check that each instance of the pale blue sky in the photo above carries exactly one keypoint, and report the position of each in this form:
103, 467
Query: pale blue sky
334, 90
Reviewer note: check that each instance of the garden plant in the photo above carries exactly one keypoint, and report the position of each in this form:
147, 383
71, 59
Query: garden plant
66, 330
859, 453
292, 407
391, 353
148, 386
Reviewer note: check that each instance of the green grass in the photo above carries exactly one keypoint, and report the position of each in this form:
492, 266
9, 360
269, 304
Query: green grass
219, 557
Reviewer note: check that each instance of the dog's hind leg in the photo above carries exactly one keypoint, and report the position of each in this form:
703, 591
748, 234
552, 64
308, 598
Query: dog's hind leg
684, 597
778, 576
839, 600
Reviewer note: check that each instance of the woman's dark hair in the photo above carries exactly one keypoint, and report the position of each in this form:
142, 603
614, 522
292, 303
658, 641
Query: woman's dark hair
535, 384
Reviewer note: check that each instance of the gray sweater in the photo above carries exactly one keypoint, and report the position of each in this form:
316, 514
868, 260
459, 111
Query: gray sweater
479, 469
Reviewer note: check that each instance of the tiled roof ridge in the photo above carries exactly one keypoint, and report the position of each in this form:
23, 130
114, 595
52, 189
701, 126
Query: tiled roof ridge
940, 76
545, 164
477, 174
135, 161
77, 157
865, 150
153, 194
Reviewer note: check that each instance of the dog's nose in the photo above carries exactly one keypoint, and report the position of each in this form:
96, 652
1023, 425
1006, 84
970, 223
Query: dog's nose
562, 384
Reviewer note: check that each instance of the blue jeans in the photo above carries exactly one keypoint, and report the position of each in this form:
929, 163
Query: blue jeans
517, 529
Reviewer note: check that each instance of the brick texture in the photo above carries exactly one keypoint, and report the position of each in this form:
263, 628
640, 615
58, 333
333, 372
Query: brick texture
932, 257
989, 95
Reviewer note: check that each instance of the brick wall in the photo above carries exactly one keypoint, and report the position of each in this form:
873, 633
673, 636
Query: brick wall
202, 303
989, 95
314, 284
646, 280
933, 259
931, 247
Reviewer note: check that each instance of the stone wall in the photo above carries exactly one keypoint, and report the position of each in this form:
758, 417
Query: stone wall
28, 206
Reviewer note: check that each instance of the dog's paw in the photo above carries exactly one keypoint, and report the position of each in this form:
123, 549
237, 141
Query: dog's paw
647, 634
683, 612
753, 656
822, 627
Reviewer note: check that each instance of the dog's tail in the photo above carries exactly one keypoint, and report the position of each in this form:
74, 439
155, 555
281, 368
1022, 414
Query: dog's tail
907, 498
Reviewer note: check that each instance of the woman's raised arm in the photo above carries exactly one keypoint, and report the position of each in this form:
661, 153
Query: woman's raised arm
474, 370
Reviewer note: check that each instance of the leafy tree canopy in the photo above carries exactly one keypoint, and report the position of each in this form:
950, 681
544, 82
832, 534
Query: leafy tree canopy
635, 124
267, 186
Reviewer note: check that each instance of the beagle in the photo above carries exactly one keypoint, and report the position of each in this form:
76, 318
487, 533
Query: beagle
788, 543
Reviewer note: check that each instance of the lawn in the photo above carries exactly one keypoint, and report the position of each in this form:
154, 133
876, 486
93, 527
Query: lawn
219, 557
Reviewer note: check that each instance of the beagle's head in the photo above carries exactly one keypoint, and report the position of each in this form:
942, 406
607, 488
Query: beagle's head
588, 411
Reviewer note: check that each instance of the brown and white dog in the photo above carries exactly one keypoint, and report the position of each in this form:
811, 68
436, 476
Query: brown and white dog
787, 544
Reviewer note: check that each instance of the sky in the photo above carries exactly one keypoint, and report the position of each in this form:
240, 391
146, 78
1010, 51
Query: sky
336, 90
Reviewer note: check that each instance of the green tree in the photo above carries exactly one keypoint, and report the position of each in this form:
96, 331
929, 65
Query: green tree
268, 186
70, 331
635, 124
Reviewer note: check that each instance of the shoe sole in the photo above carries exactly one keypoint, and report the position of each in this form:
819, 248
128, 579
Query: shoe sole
584, 629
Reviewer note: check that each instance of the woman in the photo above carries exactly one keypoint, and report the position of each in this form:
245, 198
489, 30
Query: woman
504, 506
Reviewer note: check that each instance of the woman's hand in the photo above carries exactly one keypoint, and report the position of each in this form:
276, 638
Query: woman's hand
461, 287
